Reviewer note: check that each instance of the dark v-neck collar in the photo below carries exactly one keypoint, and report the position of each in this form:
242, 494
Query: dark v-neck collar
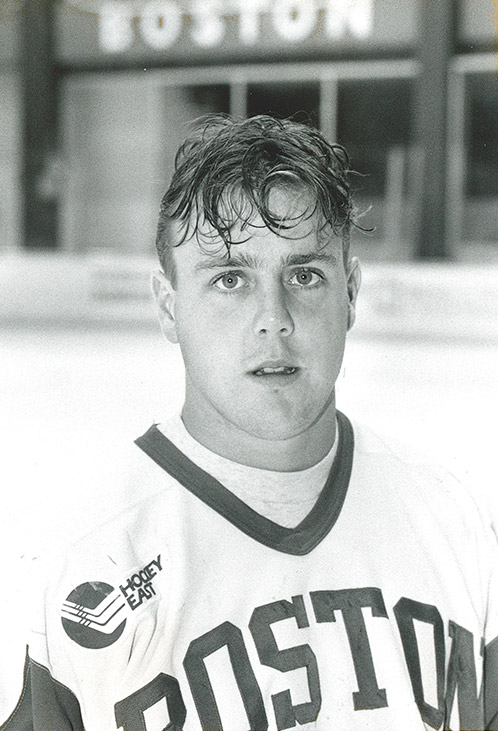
299, 540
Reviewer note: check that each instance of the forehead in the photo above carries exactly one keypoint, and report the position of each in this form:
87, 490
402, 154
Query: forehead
257, 248
302, 231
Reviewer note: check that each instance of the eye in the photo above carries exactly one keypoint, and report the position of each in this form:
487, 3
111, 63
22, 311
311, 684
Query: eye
229, 282
305, 278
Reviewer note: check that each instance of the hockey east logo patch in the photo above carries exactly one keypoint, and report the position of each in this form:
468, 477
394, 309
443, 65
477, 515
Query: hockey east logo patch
94, 614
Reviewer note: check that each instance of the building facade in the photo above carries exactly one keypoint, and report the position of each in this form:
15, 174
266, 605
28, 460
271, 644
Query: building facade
96, 95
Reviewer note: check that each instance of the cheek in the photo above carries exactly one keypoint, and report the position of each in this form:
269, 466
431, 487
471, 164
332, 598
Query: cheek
327, 320
203, 341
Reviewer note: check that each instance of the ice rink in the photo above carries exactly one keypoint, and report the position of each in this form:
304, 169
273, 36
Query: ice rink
64, 390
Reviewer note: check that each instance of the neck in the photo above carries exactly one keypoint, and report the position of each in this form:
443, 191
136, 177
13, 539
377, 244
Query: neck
291, 454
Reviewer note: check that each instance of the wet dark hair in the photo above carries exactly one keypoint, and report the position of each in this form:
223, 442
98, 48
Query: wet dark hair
226, 170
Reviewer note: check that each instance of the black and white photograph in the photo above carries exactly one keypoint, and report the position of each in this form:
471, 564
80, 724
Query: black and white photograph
248, 365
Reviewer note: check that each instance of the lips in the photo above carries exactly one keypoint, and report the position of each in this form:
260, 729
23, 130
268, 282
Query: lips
280, 371
274, 369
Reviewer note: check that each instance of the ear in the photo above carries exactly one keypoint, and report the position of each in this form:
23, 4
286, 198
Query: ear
353, 273
165, 294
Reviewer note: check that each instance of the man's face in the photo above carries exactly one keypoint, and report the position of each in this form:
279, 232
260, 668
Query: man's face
262, 335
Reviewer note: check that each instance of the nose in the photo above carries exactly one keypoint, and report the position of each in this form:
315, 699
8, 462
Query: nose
273, 316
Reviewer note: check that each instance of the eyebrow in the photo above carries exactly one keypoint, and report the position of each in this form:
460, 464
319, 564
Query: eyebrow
246, 261
310, 258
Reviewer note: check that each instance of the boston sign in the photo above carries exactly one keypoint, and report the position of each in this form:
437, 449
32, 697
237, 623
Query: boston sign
184, 32
160, 24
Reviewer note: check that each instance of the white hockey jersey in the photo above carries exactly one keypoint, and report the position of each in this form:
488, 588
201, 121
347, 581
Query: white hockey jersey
189, 611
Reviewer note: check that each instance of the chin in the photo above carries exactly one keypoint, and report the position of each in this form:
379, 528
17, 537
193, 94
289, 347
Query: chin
277, 429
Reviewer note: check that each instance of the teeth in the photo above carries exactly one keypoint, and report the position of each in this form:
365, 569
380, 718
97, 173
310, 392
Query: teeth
280, 369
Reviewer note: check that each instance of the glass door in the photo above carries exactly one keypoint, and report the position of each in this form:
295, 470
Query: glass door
374, 123
473, 159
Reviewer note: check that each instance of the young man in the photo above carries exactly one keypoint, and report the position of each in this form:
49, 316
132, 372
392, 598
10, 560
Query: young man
273, 567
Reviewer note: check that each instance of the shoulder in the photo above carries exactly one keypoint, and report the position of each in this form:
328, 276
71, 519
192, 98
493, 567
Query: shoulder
418, 481
109, 491
128, 529
410, 495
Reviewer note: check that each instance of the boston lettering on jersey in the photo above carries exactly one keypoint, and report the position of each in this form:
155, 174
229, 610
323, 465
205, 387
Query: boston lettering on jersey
47, 704
460, 680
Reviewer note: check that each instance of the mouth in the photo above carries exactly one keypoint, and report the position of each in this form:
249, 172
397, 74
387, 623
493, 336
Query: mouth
272, 371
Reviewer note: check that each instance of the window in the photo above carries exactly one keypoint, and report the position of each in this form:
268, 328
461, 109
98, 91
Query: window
300, 100
374, 125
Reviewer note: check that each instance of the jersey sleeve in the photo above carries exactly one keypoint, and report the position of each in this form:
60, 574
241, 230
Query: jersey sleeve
44, 704
491, 640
